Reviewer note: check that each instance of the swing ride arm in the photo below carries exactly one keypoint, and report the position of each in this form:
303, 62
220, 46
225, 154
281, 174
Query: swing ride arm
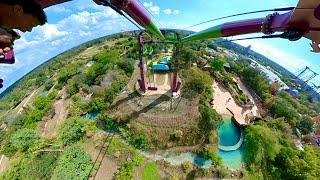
301, 21
272, 23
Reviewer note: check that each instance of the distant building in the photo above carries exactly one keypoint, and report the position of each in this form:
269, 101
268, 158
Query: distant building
294, 93
272, 77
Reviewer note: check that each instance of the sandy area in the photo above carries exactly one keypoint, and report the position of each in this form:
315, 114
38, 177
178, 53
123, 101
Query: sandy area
163, 83
4, 162
226, 105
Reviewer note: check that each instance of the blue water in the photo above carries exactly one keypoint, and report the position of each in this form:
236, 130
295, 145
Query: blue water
179, 159
232, 159
191, 157
229, 134
92, 115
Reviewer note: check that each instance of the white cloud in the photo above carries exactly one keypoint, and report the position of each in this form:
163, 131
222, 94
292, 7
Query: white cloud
154, 9
59, 9
170, 11
50, 31
167, 11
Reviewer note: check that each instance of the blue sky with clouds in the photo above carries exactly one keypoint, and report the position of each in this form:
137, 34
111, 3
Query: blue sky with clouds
78, 21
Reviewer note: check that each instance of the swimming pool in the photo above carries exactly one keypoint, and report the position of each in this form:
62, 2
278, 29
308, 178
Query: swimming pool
229, 135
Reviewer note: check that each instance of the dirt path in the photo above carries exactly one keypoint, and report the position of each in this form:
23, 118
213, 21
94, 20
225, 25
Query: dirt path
108, 166
52, 125
4, 162
24, 103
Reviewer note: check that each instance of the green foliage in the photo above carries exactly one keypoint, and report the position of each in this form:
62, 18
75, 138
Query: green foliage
78, 107
112, 92
210, 118
196, 80
96, 104
107, 56
138, 141
41, 102
72, 130
282, 108
73, 164
294, 164
217, 64
261, 145
150, 172
33, 166
186, 57
127, 168
48, 84
41, 166
23, 139
256, 81
40, 106
111, 124
127, 66
211, 154
305, 124
7, 148
94, 71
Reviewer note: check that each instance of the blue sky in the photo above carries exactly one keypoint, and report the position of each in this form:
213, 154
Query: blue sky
78, 21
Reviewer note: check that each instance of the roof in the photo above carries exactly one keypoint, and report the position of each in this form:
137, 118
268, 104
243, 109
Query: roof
165, 60
160, 67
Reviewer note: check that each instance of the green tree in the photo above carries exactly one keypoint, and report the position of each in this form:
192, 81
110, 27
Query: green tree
196, 80
293, 164
48, 84
217, 64
72, 130
73, 164
96, 104
261, 145
305, 124
23, 139
127, 66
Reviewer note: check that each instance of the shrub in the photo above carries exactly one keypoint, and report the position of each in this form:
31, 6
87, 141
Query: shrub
23, 139
73, 164
127, 66
207, 153
72, 130
196, 80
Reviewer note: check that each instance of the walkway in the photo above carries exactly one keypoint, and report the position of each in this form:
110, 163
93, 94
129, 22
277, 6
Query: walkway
224, 103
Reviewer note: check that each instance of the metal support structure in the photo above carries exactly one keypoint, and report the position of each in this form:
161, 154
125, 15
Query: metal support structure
301, 72
175, 83
143, 84
142, 80
309, 78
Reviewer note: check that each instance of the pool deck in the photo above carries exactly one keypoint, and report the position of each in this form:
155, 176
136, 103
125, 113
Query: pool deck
226, 105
